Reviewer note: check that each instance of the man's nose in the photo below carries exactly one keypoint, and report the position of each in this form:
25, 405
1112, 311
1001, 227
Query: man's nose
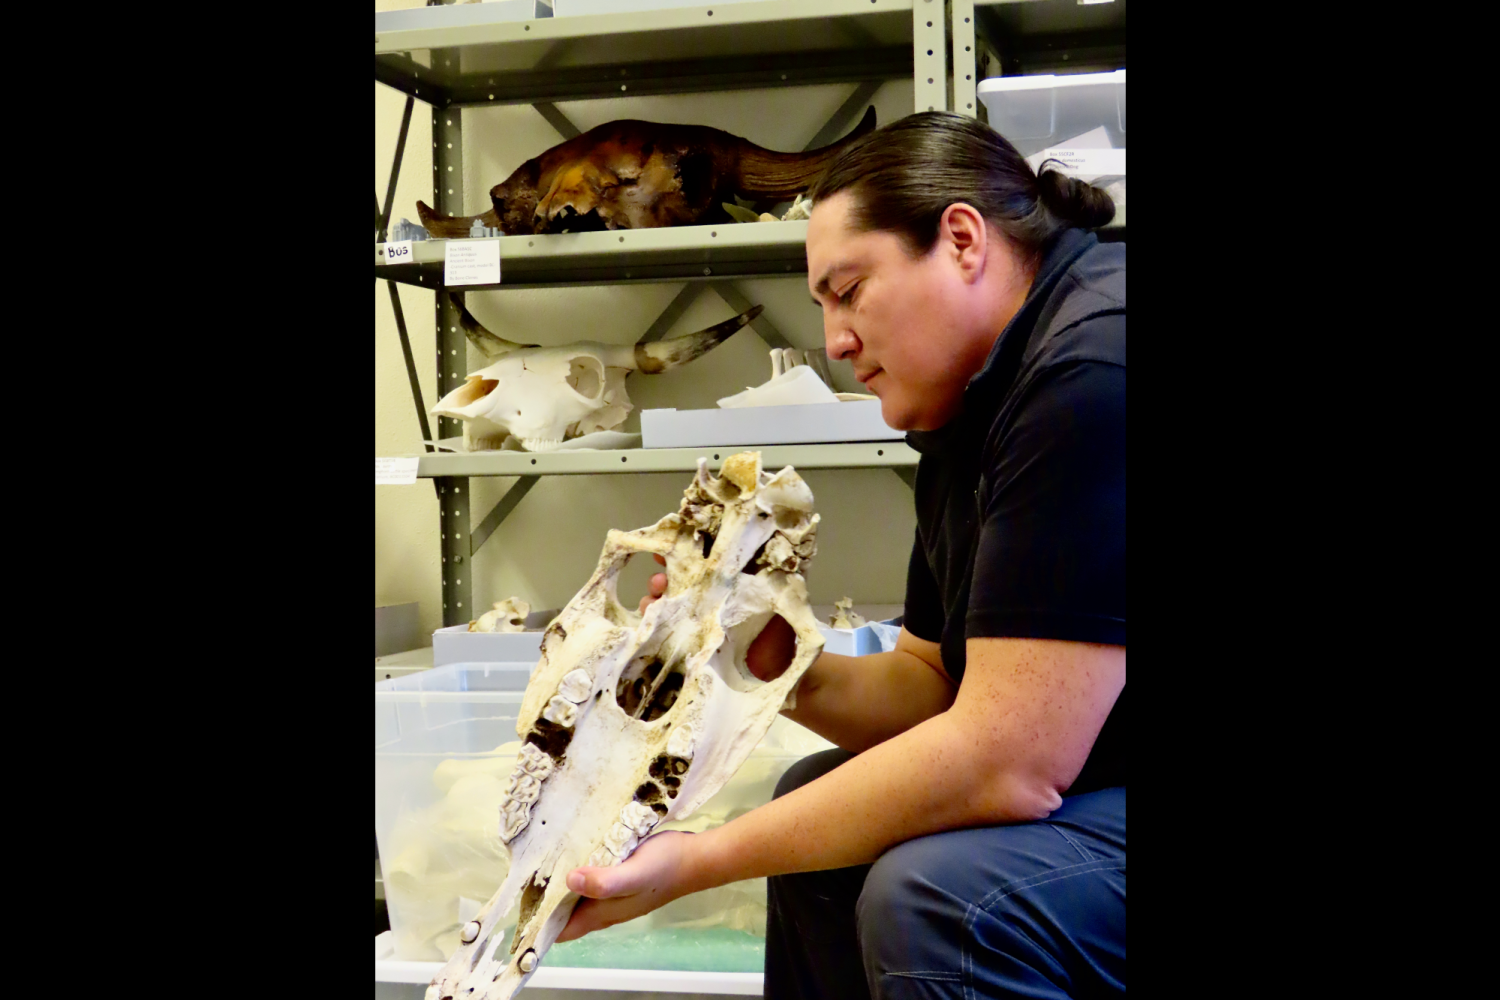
839, 340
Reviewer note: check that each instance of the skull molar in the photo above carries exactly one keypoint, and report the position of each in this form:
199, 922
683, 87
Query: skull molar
575, 687
621, 840
561, 711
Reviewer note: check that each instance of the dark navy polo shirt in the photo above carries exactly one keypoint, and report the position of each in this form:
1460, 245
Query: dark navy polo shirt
1021, 497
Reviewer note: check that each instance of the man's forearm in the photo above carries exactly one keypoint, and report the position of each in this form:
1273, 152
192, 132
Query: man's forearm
926, 780
857, 702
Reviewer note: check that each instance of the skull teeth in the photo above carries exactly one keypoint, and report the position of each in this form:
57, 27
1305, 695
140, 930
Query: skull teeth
575, 686
524, 787
514, 815
640, 819
620, 840
601, 858
561, 711
680, 743
534, 762
540, 444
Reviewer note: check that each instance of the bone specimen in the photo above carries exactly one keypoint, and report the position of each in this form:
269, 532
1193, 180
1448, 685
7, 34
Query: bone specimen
545, 395
674, 711
844, 615
509, 615
639, 175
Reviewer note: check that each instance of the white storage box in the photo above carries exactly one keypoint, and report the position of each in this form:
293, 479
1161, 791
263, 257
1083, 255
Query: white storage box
578, 8
445, 742
1078, 120
456, 644
461, 15
813, 423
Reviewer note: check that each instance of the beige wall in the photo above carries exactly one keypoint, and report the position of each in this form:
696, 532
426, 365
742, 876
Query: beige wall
550, 544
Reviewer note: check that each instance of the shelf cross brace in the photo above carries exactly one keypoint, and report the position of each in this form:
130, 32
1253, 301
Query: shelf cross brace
411, 364
557, 119
847, 112
383, 218
907, 473
763, 327
500, 512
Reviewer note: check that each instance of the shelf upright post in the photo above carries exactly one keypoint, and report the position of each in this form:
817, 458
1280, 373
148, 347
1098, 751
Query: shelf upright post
929, 36
452, 366
961, 17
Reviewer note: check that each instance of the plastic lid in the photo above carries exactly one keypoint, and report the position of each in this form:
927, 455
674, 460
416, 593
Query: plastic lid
1002, 83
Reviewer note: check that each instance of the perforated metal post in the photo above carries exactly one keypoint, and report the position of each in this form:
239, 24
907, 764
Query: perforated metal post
961, 17
929, 34
452, 364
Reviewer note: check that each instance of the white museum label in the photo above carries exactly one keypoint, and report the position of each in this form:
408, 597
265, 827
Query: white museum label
398, 252
395, 471
1083, 162
471, 262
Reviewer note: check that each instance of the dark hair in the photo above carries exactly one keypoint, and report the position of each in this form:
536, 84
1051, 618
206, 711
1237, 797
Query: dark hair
905, 175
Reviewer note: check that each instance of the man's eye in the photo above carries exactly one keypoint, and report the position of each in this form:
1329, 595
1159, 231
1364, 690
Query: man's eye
848, 297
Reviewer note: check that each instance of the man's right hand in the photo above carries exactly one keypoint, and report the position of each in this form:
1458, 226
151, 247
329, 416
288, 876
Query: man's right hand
656, 587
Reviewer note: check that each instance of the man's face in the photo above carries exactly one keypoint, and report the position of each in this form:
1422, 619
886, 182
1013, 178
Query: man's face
899, 321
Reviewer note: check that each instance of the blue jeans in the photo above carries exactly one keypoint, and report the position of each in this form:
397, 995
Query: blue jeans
1029, 910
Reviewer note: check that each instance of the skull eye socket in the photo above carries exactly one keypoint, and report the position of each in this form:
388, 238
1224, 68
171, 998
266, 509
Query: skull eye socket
586, 377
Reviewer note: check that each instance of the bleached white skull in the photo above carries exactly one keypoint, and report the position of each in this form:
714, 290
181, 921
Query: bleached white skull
546, 395
631, 720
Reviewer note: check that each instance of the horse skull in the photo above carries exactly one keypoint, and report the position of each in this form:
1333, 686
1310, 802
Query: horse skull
631, 720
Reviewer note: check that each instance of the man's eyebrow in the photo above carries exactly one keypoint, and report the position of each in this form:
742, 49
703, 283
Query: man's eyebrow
822, 287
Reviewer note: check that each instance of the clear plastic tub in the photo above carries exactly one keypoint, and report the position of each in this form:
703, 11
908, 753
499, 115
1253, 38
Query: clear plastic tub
1078, 120
445, 742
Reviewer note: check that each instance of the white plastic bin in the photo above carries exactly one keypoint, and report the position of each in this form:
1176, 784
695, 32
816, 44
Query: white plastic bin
1078, 120
456, 644
579, 8
461, 15
810, 423
445, 742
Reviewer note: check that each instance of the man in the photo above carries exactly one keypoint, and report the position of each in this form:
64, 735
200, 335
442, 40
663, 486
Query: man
969, 837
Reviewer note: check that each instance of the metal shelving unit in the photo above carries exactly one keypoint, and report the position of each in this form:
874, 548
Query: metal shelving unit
859, 455
623, 256
726, 47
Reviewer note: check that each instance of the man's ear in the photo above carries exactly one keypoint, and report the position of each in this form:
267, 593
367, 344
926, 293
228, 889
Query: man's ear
965, 236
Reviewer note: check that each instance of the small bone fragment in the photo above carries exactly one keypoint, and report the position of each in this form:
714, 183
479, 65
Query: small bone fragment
843, 615
509, 616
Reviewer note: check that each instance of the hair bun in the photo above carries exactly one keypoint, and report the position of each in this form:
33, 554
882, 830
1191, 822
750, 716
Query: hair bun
1074, 201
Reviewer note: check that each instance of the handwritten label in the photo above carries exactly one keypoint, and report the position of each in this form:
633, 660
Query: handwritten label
398, 252
1083, 162
395, 471
471, 262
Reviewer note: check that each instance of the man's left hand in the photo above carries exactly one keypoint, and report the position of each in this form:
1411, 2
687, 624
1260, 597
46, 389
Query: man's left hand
653, 876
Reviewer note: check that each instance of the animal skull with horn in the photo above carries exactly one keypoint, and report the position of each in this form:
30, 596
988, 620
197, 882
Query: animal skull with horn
543, 396
638, 175
630, 720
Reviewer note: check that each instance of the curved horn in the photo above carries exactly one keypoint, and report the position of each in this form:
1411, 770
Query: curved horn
488, 343
663, 355
769, 174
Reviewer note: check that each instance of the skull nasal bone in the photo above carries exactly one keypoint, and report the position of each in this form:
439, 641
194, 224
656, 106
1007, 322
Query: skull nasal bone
586, 377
